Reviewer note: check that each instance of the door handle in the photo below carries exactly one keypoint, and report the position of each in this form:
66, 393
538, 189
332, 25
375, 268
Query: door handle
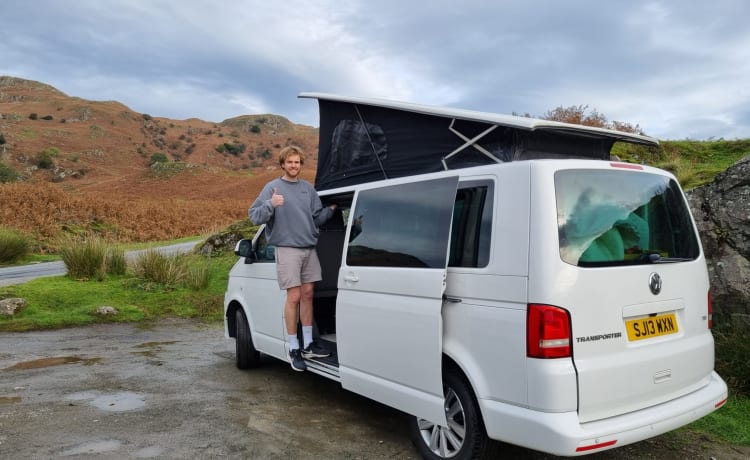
451, 299
351, 277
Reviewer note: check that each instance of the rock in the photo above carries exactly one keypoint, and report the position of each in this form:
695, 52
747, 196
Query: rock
107, 310
10, 307
722, 213
227, 239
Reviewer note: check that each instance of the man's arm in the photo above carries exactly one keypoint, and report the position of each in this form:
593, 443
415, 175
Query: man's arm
262, 209
320, 213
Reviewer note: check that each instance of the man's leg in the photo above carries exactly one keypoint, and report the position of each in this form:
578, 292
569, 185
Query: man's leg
311, 348
291, 318
293, 295
306, 303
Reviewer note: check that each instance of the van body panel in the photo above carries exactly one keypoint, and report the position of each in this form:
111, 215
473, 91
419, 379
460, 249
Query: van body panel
388, 318
266, 317
616, 374
552, 385
562, 433
478, 334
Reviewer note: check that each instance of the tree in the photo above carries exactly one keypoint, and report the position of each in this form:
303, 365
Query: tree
576, 114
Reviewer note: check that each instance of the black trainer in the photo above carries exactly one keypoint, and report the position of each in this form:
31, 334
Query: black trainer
315, 351
295, 359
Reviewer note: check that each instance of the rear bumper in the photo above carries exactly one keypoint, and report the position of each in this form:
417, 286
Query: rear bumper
563, 434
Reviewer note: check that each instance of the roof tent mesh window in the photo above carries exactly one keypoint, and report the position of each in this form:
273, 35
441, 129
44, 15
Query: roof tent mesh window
354, 145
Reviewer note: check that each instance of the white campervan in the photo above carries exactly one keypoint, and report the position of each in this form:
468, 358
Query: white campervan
532, 290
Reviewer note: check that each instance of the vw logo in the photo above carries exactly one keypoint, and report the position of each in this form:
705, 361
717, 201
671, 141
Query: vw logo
654, 283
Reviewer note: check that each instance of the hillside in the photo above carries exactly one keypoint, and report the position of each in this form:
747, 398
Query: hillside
73, 151
86, 166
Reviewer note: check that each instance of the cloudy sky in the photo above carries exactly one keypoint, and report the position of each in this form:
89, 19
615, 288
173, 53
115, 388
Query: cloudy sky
679, 69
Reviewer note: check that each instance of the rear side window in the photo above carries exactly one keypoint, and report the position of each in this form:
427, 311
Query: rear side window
609, 218
472, 222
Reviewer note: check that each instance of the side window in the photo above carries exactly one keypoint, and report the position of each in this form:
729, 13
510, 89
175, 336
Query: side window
472, 225
402, 225
264, 252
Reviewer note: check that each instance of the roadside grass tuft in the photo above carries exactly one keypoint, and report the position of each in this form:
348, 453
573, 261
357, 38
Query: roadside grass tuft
154, 269
91, 258
14, 245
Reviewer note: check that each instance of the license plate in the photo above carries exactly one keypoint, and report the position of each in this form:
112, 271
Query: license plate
653, 326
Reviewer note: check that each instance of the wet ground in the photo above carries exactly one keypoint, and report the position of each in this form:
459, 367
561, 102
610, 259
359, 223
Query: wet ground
171, 390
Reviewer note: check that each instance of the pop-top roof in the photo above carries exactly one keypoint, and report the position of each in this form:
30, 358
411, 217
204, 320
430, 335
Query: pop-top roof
365, 139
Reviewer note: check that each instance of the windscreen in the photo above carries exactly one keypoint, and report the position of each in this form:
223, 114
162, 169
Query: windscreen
610, 218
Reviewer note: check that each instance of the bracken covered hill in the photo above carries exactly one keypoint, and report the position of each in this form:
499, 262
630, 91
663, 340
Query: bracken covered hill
70, 151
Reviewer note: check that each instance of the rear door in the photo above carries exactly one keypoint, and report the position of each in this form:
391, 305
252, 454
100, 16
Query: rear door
391, 284
631, 273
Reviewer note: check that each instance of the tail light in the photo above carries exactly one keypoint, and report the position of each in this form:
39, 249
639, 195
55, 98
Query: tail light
547, 332
710, 311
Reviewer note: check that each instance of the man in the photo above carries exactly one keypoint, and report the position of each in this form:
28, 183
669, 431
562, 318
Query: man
291, 209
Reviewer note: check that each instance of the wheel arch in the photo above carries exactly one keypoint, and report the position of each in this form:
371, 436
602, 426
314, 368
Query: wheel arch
451, 365
230, 318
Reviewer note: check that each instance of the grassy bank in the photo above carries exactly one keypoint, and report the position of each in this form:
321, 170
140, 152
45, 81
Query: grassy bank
60, 301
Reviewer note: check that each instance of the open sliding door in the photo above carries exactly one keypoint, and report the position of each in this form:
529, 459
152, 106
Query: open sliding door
390, 294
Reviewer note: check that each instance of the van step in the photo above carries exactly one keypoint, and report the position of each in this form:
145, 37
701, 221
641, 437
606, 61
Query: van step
329, 366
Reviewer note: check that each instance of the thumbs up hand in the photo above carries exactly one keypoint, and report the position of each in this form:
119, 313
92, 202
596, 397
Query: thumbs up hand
276, 199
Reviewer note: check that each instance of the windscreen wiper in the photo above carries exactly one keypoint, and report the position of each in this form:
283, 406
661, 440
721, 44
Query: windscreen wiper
656, 258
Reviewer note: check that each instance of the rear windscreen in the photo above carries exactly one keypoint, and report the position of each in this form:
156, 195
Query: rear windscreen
608, 218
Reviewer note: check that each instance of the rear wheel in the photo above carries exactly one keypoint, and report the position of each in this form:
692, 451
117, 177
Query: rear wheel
247, 355
464, 437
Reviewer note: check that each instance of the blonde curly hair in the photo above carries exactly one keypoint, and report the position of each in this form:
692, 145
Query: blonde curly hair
291, 150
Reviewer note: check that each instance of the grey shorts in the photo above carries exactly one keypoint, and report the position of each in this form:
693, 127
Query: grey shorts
296, 266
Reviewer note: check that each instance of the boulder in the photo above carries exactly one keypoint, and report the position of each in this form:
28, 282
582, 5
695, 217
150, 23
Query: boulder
722, 213
10, 307
227, 239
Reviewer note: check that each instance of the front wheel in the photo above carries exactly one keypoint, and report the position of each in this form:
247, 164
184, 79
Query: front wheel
464, 438
247, 355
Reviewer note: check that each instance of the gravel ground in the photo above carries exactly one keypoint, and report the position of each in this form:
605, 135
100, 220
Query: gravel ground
171, 390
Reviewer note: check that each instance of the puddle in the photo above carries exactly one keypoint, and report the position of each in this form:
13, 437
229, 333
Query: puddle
113, 402
9, 399
155, 344
48, 362
152, 349
92, 447
149, 452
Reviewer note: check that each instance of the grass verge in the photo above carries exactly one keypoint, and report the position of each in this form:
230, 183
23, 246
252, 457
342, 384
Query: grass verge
57, 302
731, 423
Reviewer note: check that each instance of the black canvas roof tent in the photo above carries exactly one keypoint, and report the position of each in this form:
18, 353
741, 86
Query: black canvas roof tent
365, 139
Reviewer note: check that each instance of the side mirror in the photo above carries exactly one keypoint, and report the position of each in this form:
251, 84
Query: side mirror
244, 248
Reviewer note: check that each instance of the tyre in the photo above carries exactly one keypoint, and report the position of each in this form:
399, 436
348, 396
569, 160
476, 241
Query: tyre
464, 438
247, 355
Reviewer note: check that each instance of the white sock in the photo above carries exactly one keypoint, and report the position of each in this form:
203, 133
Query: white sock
307, 335
292, 341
